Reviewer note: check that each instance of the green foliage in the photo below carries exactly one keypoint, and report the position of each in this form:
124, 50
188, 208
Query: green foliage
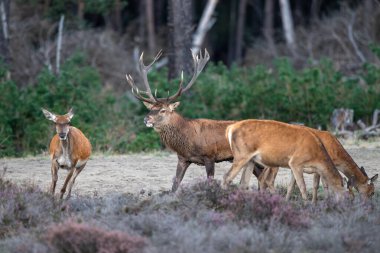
115, 124
283, 93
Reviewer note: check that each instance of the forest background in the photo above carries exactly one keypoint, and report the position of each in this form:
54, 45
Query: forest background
289, 60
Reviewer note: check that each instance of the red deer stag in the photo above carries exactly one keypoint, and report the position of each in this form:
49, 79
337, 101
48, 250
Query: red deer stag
276, 144
357, 177
69, 149
199, 141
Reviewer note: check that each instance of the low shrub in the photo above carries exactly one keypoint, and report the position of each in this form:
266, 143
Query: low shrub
74, 237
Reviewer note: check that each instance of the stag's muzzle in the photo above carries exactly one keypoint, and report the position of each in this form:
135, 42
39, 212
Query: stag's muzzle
147, 122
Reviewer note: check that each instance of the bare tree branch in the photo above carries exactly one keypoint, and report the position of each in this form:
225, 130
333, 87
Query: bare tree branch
287, 23
59, 43
352, 39
204, 25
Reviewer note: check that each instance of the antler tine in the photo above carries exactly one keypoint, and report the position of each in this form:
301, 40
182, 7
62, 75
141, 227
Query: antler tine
144, 69
199, 63
178, 93
137, 93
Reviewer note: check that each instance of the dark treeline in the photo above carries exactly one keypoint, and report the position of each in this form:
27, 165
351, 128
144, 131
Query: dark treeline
243, 32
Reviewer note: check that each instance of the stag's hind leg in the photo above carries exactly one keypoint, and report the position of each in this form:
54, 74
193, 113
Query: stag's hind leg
210, 168
75, 174
54, 176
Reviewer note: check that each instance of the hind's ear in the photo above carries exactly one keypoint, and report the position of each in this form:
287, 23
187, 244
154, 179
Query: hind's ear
374, 178
49, 115
70, 114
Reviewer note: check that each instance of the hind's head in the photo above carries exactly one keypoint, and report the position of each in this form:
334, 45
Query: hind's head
366, 189
62, 122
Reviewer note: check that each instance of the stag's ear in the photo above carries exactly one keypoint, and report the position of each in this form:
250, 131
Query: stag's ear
374, 178
173, 106
49, 115
148, 105
70, 114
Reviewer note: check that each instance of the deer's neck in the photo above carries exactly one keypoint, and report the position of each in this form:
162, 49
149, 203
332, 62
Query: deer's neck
64, 160
176, 135
351, 169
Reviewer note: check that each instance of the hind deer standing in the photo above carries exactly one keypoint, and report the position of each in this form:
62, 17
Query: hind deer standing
199, 141
357, 177
69, 149
277, 144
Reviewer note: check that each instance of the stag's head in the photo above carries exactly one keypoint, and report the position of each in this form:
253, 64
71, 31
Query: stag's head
367, 189
162, 110
62, 122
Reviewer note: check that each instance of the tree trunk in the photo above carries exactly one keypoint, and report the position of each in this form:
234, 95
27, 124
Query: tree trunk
149, 7
180, 37
118, 21
315, 7
80, 13
268, 26
4, 31
231, 37
240, 30
287, 24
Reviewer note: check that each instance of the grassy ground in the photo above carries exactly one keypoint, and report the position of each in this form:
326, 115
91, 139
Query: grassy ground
200, 217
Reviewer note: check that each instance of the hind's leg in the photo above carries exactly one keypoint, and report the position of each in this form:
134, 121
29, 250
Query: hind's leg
237, 165
290, 186
54, 176
316, 179
246, 176
76, 173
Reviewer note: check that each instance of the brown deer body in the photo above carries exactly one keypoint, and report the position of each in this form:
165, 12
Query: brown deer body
357, 177
69, 149
276, 144
199, 141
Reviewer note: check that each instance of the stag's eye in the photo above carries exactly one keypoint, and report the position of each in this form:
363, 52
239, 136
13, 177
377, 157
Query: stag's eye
163, 111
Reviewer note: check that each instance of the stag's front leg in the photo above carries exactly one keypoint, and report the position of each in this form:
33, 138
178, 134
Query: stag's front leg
182, 166
54, 176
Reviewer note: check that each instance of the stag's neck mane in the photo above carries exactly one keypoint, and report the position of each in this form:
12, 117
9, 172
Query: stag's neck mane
175, 134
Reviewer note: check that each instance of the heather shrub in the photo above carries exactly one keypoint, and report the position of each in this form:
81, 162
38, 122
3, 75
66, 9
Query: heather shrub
244, 206
23, 207
76, 237
264, 208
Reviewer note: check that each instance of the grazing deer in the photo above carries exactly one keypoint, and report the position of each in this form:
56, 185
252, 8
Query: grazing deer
69, 149
199, 141
357, 177
276, 144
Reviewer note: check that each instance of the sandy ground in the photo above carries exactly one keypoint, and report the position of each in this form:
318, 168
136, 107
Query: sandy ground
152, 172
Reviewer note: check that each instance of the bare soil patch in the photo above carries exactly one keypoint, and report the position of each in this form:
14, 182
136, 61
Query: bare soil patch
151, 172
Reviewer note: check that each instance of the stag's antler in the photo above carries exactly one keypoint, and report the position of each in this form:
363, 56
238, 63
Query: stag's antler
199, 63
